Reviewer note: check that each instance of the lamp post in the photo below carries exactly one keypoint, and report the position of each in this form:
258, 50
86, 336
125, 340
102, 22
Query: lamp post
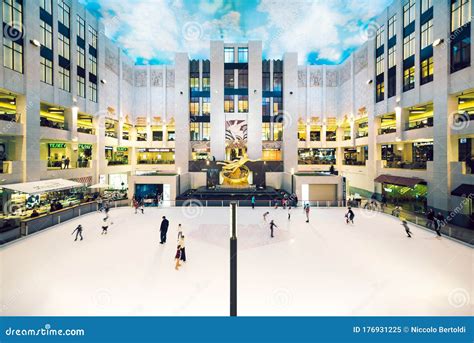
233, 259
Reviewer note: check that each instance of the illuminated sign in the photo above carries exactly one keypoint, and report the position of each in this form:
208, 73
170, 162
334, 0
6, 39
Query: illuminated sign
120, 148
85, 146
57, 145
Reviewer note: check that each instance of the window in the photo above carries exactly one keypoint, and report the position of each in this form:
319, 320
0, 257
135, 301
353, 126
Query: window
81, 57
46, 35
81, 86
228, 78
63, 48
47, 6
266, 133
228, 103
380, 91
392, 85
92, 92
64, 79
206, 131
206, 82
426, 70
92, 37
461, 54
243, 78
206, 106
243, 55
277, 81
380, 38
12, 55
392, 57
392, 27
277, 105
200, 131
12, 14
243, 102
426, 5
194, 106
408, 79
81, 28
194, 130
63, 13
277, 131
266, 75
409, 46
92, 65
380, 65
460, 13
408, 13
46, 71
194, 81
427, 34
228, 55
266, 107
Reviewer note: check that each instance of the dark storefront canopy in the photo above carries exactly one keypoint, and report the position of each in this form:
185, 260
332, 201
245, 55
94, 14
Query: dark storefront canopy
398, 180
465, 190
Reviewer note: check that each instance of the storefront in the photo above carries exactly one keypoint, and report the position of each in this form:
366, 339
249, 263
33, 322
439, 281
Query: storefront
422, 152
155, 156
84, 155
141, 133
56, 154
356, 156
117, 155
409, 193
317, 156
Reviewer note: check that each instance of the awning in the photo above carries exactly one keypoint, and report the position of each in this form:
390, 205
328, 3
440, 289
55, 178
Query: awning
465, 190
398, 180
38, 187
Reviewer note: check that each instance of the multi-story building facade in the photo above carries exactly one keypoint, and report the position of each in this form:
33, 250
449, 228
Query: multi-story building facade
394, 118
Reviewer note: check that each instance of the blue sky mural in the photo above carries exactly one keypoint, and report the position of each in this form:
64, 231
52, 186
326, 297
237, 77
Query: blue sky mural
321, 31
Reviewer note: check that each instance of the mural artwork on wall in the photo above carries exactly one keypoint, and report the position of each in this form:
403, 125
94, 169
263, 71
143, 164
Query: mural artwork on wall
236, 133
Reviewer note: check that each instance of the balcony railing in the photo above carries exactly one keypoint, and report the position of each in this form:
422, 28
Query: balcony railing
87, 130
52, 124
155, 162
362, 134
316, 161
419, 124
387, 130
12, 117
111, 134
353, 163
117, 162
406, 165
83, 163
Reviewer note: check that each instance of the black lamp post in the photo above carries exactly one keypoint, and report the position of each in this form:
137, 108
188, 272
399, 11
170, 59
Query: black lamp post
233, 259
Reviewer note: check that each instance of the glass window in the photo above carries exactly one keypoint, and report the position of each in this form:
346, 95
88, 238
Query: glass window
277, 105
47, 6
92, 65
266, 107
12, 14
81, 86
380, 37
194, 131
266, 75
243, 78
206, 82
427, 34
409, 46
408, 13
380, 65
206, 106
426, 5
12, 55
81, 57
409, 78
63, 13
228, 103
92, 37
380, 91
392, 85
460, 13
392, 57
461, 54
194, 106
64, 79
63, 48
206, 131
92, 92
46, 71
46, 35
228, 55
243, 102
392, 27
243, 55
427, 70
277, 81
194, 81
229, 78
266, 133
81, 28
277, 131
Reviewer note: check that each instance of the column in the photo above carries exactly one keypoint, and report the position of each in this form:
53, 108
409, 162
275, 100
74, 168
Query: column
181, 114
254, 121
290, 109
217, 100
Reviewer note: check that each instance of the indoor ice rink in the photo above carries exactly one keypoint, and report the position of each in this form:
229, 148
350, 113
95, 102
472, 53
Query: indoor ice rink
325, 267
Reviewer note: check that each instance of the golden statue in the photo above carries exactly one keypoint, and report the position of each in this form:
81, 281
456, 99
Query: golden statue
236, 172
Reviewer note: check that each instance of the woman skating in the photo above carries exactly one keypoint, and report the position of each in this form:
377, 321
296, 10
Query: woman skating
180, 253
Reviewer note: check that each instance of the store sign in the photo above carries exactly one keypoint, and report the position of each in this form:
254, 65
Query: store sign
120, 148
57, 145
85, 146
109, 148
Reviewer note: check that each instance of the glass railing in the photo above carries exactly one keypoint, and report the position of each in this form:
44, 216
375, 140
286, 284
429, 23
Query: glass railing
13, 117
54, 165
155, 162
117, 162
406, 165
387, 130
111, 134
362, 134
316, 161
52, 124
419, 124
353, 163
87, 130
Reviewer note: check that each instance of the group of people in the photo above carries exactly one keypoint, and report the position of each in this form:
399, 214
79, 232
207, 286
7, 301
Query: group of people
65, 161
138, 205
435, 221
180, 255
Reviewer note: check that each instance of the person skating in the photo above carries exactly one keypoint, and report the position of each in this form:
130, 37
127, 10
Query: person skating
407, 229
272, 227
430, 216
253, 202
78, 231
142, 207
439, 223
307, 209
180, 253
180, 231
265, 216
105, 226
289, 212
350, 216
164, 230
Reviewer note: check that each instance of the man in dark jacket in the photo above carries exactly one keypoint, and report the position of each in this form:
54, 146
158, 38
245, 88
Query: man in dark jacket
164, 229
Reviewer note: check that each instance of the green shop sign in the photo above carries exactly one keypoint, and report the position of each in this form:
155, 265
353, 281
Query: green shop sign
122, 148
85, 146
57, 145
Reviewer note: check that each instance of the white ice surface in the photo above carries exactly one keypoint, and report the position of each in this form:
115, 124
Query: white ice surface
322, 268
